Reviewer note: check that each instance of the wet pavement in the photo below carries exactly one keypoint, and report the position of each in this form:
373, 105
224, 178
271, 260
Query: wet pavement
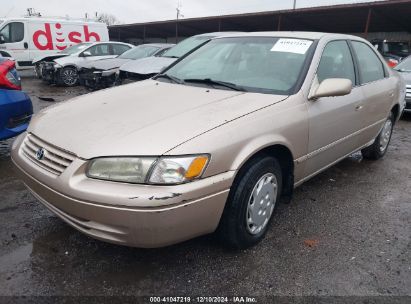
347, 232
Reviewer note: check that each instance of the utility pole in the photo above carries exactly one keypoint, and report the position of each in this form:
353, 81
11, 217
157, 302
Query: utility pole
295, 4
178, 9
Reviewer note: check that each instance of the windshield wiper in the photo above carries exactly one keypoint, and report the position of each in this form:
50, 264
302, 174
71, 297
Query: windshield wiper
169, 77
210, 81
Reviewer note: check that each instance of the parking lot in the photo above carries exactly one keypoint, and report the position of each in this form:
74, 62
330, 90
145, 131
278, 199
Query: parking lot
346, 233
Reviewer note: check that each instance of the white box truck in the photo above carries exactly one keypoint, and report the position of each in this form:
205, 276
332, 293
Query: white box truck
24, 39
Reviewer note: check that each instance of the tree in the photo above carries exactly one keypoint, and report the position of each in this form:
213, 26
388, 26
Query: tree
107, 19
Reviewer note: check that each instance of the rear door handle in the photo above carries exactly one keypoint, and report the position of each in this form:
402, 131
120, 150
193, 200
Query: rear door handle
358, 107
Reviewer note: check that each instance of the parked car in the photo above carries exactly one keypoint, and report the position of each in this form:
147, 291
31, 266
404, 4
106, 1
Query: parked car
15, 106
404, 68
392, 51
101, 74
148, 67
62, 68
214, 141
24, 39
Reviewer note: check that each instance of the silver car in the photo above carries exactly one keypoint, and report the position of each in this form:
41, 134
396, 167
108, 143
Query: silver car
62, 68
404, 68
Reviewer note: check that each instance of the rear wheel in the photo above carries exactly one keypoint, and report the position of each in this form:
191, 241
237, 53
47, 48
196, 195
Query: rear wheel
69, 76
380, 146
251, 203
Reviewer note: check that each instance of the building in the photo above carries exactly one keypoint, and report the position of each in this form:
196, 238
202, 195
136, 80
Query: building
372, 20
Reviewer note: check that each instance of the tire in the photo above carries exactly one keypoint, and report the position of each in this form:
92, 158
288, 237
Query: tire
68, 77
237, 228
380, 146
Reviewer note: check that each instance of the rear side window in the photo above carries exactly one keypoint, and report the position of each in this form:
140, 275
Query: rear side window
119, 49
370, 66
336, 62
13, 32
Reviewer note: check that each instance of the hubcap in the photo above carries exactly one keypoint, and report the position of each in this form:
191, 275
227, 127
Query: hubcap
69, 76
261, 203
385, 135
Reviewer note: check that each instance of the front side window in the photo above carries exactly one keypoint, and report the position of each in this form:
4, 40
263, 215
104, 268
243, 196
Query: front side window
255, 64
13, 32
99, 50
76, 48
336, 62
370, 66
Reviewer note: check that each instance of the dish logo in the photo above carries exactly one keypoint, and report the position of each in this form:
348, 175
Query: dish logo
43, 39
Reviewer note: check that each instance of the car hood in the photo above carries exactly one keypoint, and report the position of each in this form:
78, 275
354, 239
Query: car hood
144, 118
49, 57
105, 64
149, 65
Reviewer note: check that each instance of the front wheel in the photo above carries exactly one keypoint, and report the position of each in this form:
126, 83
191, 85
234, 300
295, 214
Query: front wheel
380, 146
69, 76
250, 206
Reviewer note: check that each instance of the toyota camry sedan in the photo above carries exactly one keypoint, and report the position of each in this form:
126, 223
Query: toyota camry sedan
215, 142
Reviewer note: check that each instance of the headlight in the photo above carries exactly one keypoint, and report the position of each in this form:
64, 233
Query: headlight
57, 66
149, 170
109, 72
121, 169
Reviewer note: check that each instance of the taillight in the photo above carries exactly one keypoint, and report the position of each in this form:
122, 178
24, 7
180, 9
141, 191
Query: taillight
9, 78
392, 63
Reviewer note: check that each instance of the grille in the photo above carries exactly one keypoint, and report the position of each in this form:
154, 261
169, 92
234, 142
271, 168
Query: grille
408, 95
47, 156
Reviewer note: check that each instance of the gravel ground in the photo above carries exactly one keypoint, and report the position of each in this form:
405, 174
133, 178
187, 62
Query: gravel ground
346, 233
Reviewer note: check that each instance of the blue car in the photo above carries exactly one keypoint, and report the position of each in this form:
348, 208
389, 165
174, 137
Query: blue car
16, 108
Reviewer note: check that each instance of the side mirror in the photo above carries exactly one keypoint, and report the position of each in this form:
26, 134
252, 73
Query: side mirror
86, 54
2, 39
332, 87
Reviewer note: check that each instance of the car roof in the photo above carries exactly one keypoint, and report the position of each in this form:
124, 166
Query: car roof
160, 45
291, 34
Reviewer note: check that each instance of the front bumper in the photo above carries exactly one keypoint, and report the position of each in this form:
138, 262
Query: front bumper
94, 79
15, 113
49, 73
134, 215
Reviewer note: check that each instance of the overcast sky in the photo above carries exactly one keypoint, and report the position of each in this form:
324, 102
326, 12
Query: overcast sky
129, 11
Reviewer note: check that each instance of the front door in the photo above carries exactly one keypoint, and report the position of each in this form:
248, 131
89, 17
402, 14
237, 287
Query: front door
14, 43
334, 122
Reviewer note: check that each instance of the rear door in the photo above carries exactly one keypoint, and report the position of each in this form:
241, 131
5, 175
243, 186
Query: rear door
378, 89
334, 121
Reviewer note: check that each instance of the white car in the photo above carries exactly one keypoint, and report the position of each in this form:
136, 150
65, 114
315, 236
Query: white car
62, 68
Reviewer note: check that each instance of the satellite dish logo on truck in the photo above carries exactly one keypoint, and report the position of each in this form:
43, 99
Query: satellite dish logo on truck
24, 39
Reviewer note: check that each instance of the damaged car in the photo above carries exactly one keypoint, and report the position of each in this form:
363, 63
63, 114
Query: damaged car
148, 67
62, 68
101, 74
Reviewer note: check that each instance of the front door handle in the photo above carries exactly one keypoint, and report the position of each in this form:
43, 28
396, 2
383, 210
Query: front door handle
358, 107
26, 45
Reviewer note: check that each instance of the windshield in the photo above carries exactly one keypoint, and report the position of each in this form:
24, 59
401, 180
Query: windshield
255, 64
185, 46
404, 65
75, 48
138, 52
